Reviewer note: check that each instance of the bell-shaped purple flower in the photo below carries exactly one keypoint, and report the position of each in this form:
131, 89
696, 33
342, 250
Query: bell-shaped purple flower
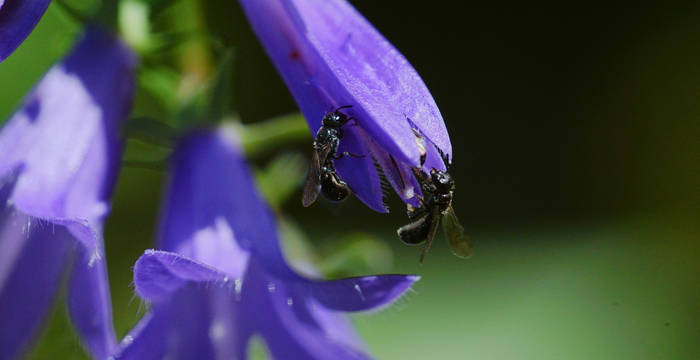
59, 158
330, 56
221, 277
17, 19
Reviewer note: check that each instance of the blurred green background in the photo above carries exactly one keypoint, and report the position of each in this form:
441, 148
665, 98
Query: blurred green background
575, 135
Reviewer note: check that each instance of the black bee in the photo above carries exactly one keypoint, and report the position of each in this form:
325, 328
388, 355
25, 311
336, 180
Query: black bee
322, 177
436, 205
332, 187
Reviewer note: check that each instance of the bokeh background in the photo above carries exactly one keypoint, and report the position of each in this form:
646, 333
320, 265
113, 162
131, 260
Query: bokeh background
575, 133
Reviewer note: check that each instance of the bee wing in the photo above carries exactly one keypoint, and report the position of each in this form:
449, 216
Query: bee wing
323, 154
432, 230
312, 187
460, 244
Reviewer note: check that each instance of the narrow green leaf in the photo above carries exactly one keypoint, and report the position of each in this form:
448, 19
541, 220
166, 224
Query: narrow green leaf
151, 131
160, 83
159, 166
221, 88
260, 138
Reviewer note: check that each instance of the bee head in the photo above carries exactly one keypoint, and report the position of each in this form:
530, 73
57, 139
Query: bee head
442, 180
334, 119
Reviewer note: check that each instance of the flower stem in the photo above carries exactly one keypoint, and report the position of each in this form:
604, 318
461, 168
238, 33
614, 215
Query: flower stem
272, 134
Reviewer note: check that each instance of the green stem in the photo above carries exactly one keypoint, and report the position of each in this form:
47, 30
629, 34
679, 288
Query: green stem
275, 133
74, 13
108, 14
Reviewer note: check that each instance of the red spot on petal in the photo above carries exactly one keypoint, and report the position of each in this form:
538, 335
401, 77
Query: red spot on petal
294, 55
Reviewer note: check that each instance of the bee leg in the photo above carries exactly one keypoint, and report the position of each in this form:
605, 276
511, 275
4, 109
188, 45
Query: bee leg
418, 212
345, 153
421, 201
445, 158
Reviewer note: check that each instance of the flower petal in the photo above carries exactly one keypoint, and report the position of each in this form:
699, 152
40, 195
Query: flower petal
378, 77
211, 184
284, 316
361, 293
62, 152
292, 55
183, 326
174, 283
89, 304
17, 19
157, 274
32, 262
212, 202
63, 144
360, 174
398, 174
147, 340
329, 55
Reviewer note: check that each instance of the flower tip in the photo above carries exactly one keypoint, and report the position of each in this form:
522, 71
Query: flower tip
413, 278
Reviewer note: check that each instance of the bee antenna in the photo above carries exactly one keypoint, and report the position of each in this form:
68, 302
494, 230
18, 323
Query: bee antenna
342, 107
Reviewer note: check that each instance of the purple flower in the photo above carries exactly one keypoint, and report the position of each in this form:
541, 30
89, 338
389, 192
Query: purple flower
17, 19
59, 157
330, 56
222, 278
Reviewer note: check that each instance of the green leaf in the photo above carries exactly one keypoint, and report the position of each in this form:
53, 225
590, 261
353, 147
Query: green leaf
161, 84
221, 88
145, 155
107, 15
151, 131
156, 165
281, 178
79, 11
260, 138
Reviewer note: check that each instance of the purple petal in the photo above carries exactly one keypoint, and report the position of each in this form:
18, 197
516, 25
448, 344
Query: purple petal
17, 19
398, 174
62, 152
212, 206
90, 306
158, 274
360, 174
285, 317
191, 327
208, 296
185, 326
433, 160
177, 283
361, 293
212, 188
296, 61
373, 72
147, 340
32, 262
63, 141
329, 55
